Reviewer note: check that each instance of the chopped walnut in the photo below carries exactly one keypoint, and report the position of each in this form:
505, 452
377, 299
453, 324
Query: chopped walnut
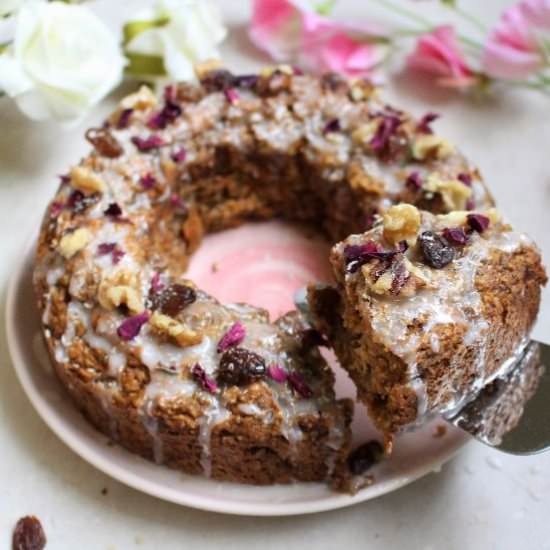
73, 242
122, 289
165, 325
141, 100
401, 223
86, 181
268, 71
454, 193
361, 89
459, 218
364, 133
431, 146
361, 180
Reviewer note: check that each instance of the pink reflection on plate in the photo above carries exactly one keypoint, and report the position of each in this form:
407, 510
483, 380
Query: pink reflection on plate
262, 264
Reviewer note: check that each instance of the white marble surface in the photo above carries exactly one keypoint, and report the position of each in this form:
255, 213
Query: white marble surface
481, 500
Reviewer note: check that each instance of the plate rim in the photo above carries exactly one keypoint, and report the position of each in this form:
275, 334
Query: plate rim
147, 486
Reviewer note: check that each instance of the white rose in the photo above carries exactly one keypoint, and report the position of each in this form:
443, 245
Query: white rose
8, 7
63, 60
173, 37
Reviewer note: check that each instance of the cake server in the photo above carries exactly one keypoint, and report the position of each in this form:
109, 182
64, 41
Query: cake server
512, 412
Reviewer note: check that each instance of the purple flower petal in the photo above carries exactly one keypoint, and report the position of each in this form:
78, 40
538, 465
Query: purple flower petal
277, 373
130, 328
478, 222
117, 255
179, 204
65, 178
456, 235
169, 93
297, 71
179, 155
233, 337
465, 178
168, 114
231, 95
148, 181
124, 119
156, 284
146, 144
56, 208
332, 126
246, 81
357, 255
105, 248
298, 384
424, 125
203, 379
385, 131
113, 210
470, 204
414, 181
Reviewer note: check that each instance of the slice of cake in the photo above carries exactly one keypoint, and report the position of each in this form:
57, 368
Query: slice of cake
428, 309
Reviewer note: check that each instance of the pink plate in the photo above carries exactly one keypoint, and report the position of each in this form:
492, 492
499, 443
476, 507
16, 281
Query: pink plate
260, 263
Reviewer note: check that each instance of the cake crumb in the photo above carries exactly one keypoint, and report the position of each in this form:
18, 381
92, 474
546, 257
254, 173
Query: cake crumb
440, 431
104, 491
215, 267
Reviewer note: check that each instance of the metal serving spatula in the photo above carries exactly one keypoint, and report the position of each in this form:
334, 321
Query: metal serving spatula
511, 413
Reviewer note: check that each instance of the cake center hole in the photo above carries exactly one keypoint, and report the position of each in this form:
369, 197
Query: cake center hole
262, 264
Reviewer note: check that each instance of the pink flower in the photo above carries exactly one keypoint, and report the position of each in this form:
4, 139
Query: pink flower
291, 30
513, 50
439, 53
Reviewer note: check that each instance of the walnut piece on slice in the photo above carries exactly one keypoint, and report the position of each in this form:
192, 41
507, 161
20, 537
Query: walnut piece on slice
141, 100
428, 146
401, 223
121, 289
454, 193
85, 180
181, 334
73, 242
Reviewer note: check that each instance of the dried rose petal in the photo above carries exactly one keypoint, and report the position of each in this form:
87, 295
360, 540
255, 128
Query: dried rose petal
124, 119
113, 210
465, 178
105, 248
218, 80
178, 155
203, 379
478, 222
231, 95
313, 338
298, 384
414, 180
156, 283
148, 181
56, 209
424, 125
297, 71
78, 202
168, 114
233, 337
277, 373
130, 327
357, 255
181, 207
146, 144
64, 178
246, 81
169, 92
117, 255
385, 131
456, 235
470, 204
332, 126
28, 534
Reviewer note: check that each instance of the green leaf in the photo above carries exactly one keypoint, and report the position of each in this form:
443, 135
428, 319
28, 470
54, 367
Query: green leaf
451, 3
135, 28
324, 7
144, 65
3, 47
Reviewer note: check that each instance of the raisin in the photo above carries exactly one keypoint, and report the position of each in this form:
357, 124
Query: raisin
104, 142
173, 299
364, 457
218, 81
239, 366
436, 249
113, 210
28, 534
